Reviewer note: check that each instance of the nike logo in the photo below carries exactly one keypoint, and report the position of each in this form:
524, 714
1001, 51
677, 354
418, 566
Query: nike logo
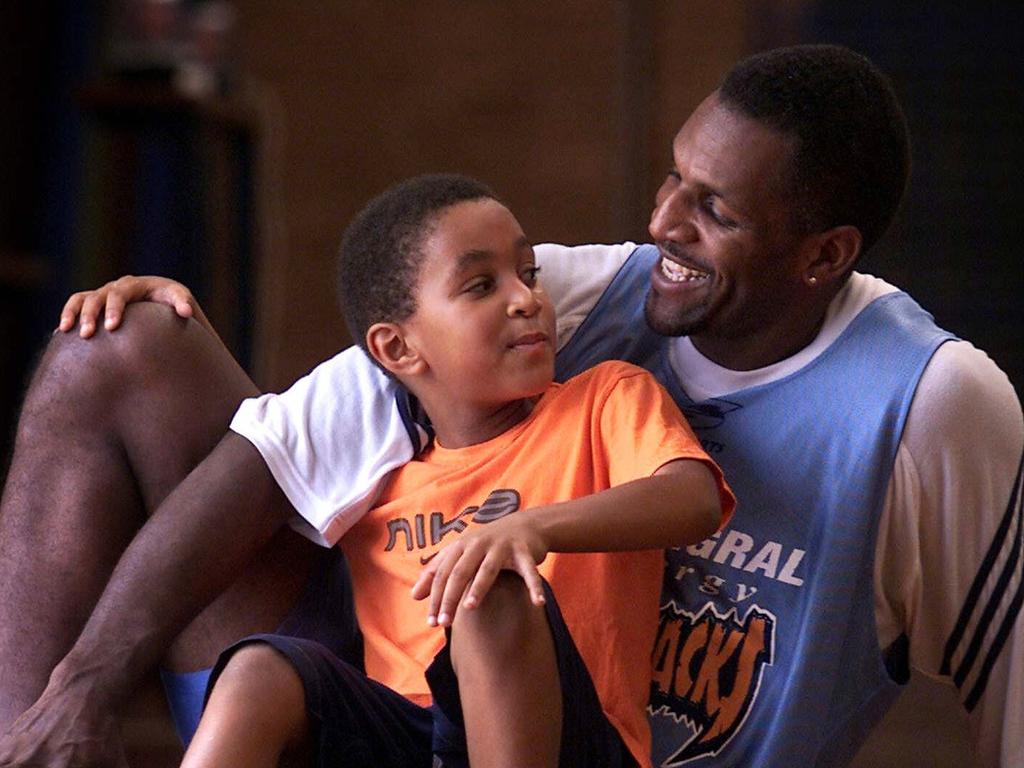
427, 559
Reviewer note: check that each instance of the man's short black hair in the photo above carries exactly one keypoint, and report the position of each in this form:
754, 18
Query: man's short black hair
380, 258
852, 149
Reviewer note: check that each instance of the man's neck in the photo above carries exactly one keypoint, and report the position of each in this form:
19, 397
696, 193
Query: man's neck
751, 353
765, 346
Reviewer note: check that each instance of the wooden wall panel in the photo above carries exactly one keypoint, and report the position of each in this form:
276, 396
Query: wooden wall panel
566, 109
694, 45
528, 97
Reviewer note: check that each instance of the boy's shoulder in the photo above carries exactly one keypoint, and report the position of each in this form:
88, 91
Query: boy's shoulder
606, 374
611, 379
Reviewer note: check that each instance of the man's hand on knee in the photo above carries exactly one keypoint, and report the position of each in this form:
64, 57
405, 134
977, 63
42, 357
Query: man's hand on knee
110, 300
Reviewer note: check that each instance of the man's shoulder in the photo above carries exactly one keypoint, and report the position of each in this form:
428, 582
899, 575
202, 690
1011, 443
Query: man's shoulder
575, 277
570, 270
957, 375
962, 382
588, 255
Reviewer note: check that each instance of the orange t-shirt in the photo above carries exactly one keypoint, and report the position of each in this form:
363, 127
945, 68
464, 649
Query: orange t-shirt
607, 426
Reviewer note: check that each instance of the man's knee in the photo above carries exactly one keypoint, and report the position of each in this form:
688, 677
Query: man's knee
140, 343
86, 378
149, 334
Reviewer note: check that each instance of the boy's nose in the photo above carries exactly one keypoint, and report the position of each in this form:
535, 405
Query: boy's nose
523, 301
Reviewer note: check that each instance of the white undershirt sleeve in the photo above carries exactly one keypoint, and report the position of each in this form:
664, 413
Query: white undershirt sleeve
949, 554
575, 277
329, 440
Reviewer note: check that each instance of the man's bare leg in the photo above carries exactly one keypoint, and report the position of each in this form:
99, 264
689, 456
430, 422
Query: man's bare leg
504, 657
109, 427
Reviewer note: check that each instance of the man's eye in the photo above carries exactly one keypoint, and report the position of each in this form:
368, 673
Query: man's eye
719, 217
672, 181
481, 285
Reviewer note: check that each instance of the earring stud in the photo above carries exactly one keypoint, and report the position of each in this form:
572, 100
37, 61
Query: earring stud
812, 280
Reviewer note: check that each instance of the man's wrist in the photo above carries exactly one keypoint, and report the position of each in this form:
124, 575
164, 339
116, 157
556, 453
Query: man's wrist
87, 677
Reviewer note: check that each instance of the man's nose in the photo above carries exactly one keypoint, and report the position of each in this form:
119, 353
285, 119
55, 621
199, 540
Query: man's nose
672, 218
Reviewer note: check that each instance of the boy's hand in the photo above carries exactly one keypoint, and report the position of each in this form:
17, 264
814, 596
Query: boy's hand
466, 568
86, 306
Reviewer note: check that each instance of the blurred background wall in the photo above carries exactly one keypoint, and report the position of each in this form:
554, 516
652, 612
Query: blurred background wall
242, 184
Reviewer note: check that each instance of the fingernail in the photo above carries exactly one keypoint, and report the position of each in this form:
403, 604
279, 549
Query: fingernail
443, 618
470, 602
432, 620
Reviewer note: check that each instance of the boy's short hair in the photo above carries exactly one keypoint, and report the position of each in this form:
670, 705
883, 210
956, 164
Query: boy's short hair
852, 154
380, 257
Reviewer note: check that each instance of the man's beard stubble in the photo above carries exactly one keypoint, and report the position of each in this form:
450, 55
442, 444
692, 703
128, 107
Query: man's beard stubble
664, 323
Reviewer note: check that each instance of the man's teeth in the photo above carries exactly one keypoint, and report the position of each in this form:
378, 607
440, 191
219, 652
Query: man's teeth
677, 273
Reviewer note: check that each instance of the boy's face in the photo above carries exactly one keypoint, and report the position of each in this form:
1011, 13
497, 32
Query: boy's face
483, 325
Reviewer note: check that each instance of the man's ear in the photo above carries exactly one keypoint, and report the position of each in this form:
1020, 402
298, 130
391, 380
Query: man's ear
831, 254
389, 346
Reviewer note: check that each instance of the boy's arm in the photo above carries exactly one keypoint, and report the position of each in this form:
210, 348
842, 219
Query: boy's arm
681, 503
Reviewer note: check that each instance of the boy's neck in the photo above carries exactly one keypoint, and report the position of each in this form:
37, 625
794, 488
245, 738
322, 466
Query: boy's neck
459, 425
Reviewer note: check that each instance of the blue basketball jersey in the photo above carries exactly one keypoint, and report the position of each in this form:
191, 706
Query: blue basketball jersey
767, 653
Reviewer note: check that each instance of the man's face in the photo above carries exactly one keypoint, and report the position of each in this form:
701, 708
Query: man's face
482, 323
723, 225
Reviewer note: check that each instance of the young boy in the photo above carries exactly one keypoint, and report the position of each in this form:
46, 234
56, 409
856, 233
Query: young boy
533, 528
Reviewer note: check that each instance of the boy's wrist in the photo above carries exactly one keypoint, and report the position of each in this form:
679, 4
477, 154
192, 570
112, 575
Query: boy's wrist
539, 531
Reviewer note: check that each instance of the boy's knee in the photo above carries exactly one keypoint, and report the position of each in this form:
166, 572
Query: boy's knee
504, 623
260, 689
258, 670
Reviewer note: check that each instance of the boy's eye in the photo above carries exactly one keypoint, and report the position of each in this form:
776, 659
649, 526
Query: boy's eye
530, 275
480, 285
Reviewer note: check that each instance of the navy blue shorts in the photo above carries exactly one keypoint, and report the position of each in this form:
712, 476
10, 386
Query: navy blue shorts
325, 612
356, 721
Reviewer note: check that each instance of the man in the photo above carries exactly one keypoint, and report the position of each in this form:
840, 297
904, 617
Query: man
879, 524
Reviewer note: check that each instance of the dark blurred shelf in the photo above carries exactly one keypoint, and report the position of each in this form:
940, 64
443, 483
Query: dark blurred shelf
170, 189
115, 99
22, 270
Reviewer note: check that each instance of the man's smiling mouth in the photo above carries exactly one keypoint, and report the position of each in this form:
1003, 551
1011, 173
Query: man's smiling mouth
677, 273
